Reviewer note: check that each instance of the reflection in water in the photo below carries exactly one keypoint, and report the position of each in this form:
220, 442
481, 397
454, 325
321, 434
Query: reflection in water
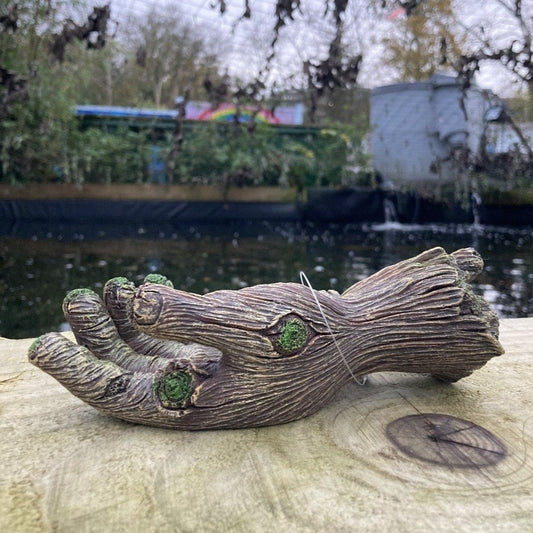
40, 264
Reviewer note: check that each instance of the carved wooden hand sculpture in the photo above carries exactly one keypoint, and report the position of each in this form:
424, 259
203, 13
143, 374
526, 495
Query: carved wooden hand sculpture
264, 355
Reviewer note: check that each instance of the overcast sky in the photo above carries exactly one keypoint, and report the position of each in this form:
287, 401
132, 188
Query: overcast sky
246, 44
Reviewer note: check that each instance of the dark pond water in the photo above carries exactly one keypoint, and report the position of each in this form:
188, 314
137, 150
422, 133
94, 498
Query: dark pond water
39, 264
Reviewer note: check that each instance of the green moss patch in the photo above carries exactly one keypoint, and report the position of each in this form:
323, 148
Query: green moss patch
119, 280
34, 346
174, 389
293, 335
159, 279
71, 295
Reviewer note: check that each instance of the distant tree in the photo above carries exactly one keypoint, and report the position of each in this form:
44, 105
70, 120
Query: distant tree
168, 56
40, 81
424, 41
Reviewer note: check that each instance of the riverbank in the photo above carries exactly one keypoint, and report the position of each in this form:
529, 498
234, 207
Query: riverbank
186, 203
66, 467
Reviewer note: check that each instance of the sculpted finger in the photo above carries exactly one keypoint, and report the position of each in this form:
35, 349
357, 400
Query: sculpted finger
77, 369
94, 328
159, 399
117, 296
118, 300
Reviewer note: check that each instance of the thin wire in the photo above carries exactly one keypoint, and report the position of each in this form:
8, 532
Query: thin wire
305, 281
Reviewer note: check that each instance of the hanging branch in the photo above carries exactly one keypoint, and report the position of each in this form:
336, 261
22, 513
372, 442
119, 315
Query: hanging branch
285, 10
334, 72
13, 89
517, 57
409, 6
216, 92
93, 32
337, 71
177, 135
10, 20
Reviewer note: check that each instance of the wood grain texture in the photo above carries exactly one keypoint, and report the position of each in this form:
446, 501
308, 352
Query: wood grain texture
65, 467
266, 354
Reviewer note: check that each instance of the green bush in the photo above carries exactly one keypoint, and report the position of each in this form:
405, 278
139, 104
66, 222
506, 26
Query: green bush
35, 137
223, 154
101, 157
226, 154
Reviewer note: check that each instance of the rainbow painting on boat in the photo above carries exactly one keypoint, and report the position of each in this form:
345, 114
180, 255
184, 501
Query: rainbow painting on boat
226, 113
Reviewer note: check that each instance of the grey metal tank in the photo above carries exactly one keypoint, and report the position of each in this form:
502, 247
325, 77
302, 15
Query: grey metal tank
420, 131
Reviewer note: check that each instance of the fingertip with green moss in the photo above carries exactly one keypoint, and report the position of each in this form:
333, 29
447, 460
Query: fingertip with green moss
158, 279
74, 293
34, 346
119, 280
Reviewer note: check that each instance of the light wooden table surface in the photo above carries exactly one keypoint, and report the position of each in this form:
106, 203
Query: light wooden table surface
64, 467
